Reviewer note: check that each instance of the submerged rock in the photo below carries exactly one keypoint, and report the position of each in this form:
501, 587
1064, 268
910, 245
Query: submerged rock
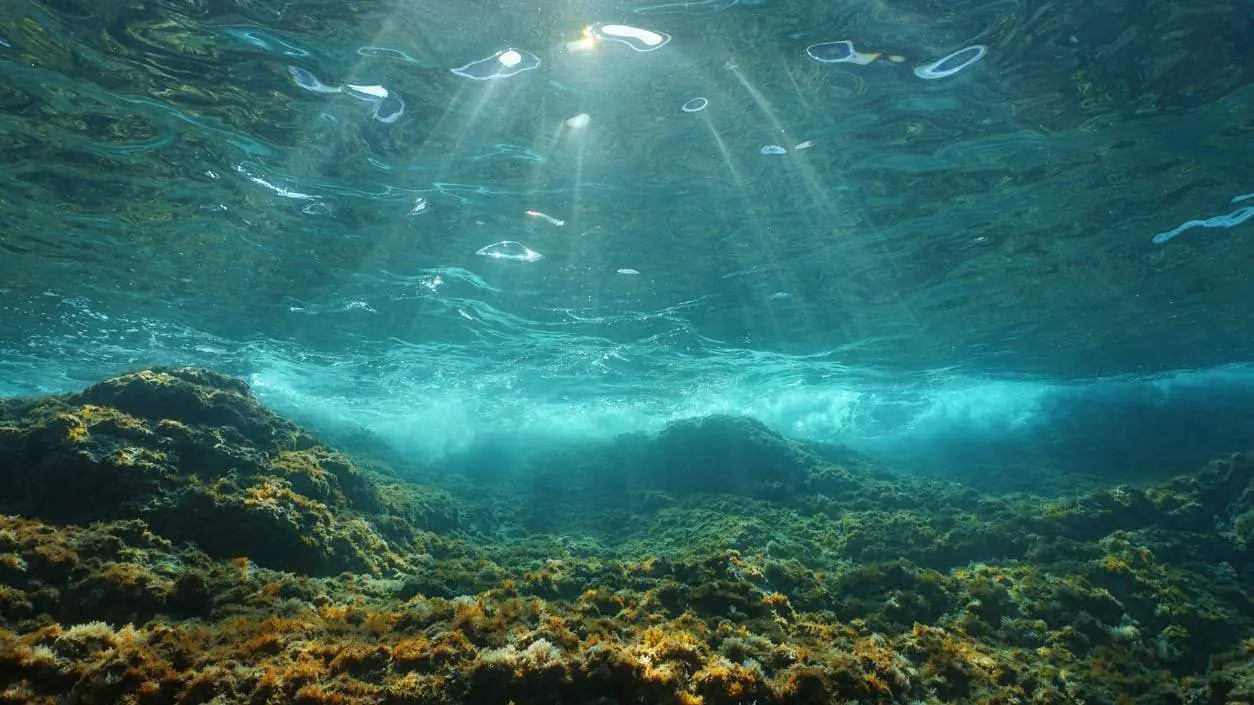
714, 563
192, 453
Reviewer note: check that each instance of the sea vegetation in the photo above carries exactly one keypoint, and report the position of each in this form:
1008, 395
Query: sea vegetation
165, 538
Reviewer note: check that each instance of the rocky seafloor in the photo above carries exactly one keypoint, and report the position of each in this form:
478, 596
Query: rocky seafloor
164, 538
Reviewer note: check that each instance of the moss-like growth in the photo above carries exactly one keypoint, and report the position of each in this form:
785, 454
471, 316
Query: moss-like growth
210, 570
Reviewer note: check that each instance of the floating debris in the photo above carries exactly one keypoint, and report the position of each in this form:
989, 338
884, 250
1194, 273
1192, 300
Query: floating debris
772, 149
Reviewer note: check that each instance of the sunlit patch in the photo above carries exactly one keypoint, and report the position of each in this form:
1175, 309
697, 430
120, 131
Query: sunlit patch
420, 206
587, 41
582, 44
510, 250
772, 149
635, 37
841, 52
952, 64
502, 64
695, 105
579, 121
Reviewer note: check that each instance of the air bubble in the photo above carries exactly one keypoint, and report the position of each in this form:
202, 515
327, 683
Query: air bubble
952, 64
510, 250
503, 64
310, 82
695, 105
635, 37
840, 52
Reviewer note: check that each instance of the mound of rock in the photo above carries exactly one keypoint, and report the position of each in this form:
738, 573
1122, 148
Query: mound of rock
195, 456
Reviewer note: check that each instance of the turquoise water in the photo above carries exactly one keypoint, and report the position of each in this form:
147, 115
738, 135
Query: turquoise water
458, 224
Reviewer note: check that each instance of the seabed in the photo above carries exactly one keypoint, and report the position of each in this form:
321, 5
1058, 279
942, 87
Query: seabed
165, 538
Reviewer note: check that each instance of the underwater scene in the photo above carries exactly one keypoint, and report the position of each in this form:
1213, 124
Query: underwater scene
609, 352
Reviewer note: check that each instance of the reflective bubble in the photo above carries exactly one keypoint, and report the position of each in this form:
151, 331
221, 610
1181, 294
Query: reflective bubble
310, 82
390, 109
773, 149
634, 37
388, 106
695, 105
503, 64
510, 250
839, 53
951, 64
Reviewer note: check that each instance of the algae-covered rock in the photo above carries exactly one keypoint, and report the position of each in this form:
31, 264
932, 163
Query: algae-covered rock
723, 565
195, 455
